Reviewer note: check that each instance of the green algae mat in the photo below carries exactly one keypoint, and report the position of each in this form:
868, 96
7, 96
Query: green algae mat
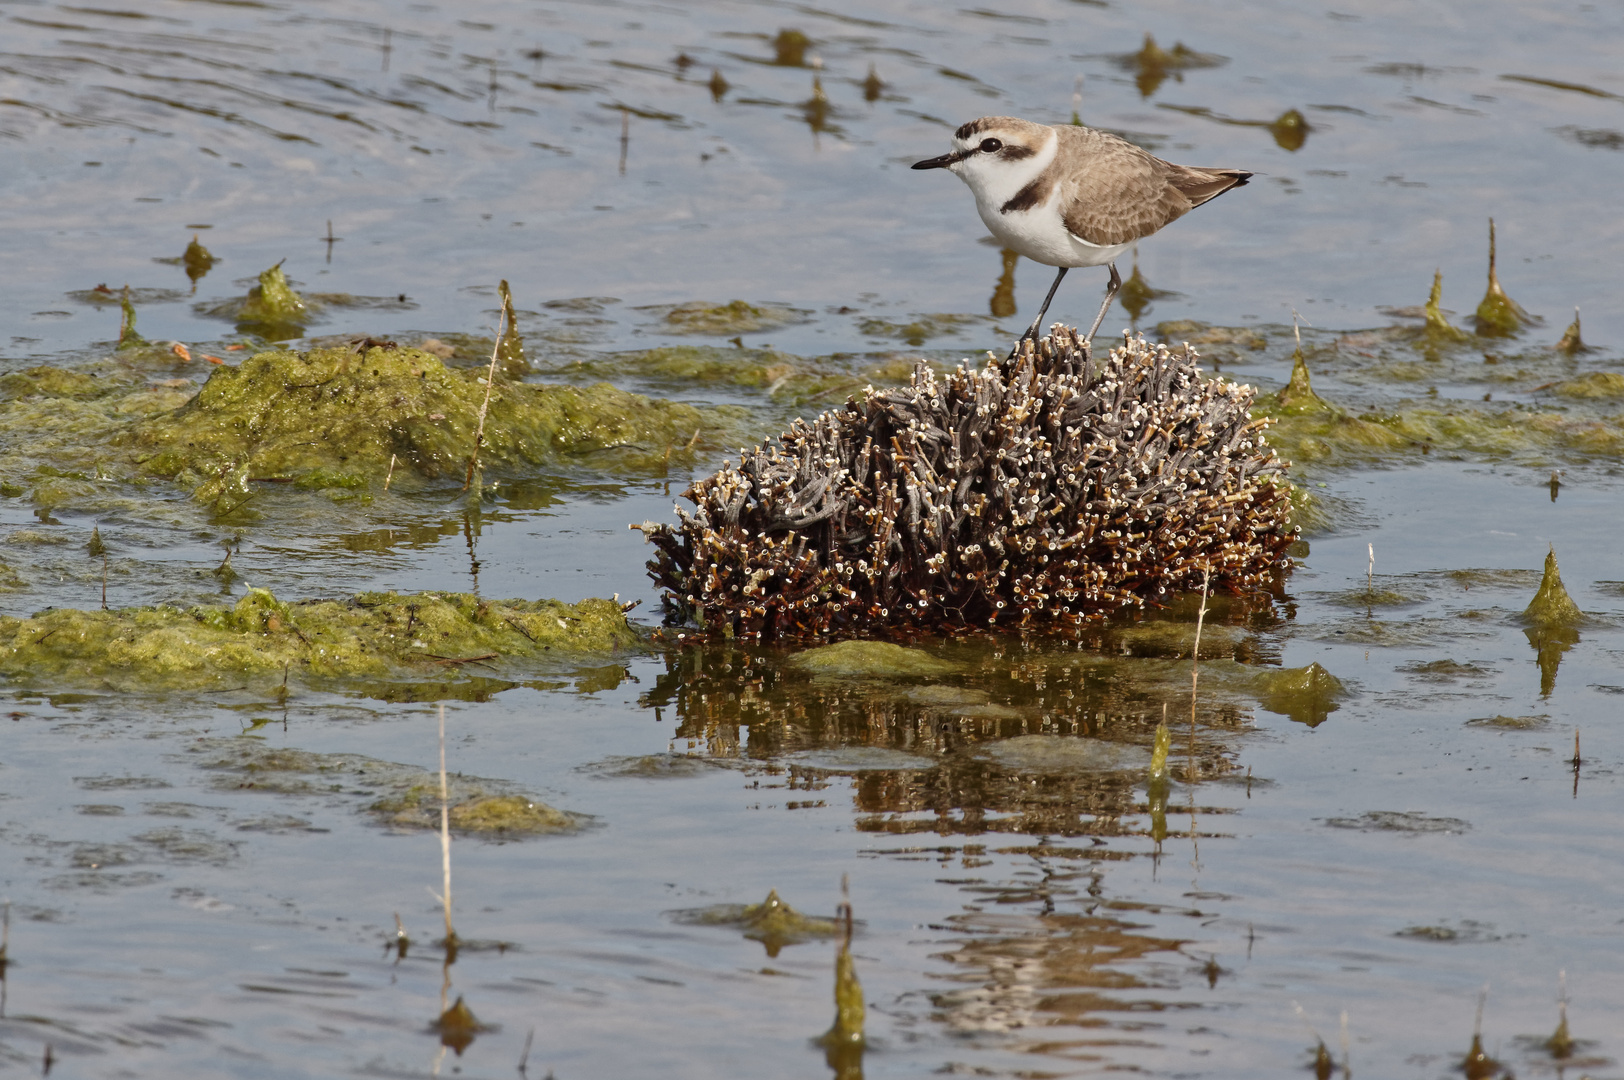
261, 641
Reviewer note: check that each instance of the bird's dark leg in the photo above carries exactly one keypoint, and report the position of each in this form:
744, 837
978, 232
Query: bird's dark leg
1033, 332
1111, 289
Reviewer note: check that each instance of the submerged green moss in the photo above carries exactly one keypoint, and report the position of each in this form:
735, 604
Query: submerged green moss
1454, 427
55, 382
723, 320
264, 640
871, 660
401, 796
337, 418
918, 331
1594, 384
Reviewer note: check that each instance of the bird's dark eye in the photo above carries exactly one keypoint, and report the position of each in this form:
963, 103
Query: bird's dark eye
991, 146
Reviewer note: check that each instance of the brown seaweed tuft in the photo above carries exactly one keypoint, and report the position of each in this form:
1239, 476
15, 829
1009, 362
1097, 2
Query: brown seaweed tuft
1050, 489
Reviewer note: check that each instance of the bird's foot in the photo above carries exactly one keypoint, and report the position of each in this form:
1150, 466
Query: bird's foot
1030, 335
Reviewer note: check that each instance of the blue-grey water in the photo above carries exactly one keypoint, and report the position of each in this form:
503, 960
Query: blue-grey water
1426, 861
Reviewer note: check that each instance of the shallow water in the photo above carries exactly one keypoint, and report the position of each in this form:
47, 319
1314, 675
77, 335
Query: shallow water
1025, 909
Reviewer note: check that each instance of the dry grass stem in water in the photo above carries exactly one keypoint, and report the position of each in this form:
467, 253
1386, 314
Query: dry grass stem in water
1050, 489
445, 842
490, 382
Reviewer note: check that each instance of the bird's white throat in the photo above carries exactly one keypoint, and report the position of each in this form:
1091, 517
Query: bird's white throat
994, 180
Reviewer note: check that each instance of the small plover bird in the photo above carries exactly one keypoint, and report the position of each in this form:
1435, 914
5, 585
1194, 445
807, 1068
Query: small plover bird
1071, 196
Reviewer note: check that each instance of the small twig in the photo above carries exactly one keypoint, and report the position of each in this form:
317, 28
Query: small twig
517, 627
490, 381
524, 1057
1195, 662
625, 136
390, 475
445, 839
461, 659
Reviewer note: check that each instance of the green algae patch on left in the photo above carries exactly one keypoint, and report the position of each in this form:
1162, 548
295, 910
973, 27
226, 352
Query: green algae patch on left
370, 636
337, 418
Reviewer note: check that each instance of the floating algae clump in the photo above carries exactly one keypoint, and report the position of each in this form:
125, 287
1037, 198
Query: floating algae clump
1437, 327
1498, 315
772, 922
337, 418
1049, 489
1572, 342
1552, 606
1298, 396
272, 307
369, 636
198, 260
1306, 694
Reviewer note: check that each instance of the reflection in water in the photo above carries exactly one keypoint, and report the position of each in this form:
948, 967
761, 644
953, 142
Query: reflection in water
1038, 971
457, 1027
1152, 64
1021, 741
816, 108
789, 48
1549, 643
1290, 129
873, 86
1003, 294
844, 1042
1137, 294
1554, 621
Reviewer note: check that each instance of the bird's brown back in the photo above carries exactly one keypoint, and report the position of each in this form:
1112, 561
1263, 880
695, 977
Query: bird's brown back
1114, 192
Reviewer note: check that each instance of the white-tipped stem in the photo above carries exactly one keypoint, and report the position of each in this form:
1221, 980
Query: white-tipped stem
445, 837
390, 475
1370, 568
1195, 661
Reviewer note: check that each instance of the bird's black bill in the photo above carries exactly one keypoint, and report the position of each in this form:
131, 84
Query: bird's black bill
944, 161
